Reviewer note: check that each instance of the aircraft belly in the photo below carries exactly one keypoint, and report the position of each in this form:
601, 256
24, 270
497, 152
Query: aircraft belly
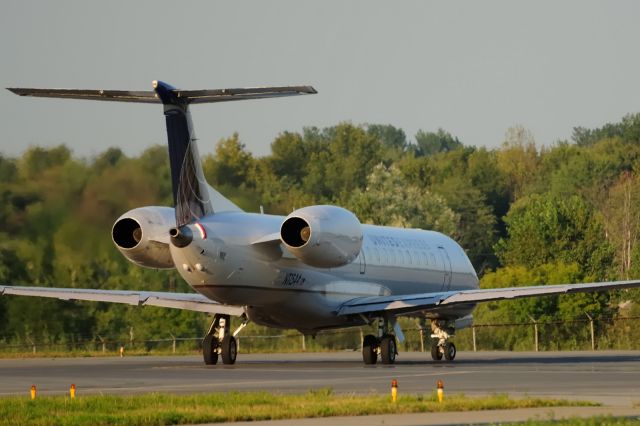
281, 294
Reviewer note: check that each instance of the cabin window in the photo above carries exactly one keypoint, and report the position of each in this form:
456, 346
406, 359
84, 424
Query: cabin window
409, 260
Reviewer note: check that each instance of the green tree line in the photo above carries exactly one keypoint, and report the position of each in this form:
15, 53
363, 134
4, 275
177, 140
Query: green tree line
526, 214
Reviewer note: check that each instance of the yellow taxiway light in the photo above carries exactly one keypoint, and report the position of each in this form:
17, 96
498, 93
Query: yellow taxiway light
394, 390
440, 385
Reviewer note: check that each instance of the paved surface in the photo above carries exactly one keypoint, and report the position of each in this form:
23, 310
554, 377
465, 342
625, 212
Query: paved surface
612, 378
456, 418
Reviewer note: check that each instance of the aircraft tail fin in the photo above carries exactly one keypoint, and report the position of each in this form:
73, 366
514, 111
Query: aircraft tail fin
193, 197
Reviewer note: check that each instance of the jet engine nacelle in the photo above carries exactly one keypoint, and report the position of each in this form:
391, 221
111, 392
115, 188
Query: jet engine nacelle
322, 236
142, 236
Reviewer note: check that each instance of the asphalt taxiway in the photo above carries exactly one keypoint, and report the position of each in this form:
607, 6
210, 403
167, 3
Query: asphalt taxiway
609, 377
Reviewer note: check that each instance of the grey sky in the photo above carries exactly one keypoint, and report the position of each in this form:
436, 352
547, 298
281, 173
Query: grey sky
473, 68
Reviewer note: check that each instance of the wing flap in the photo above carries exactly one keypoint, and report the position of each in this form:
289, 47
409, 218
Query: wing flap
410, 303
396, 304
185, 301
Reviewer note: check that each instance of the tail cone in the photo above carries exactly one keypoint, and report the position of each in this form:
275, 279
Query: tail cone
181, 237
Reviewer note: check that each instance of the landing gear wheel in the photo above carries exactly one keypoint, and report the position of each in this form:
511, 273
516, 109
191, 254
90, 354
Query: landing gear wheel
436, 353
449, 351
388, 349
229, 349
210, 350
369, 345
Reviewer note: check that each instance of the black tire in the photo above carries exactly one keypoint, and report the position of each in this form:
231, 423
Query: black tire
436, 354
229, 350
450, 351
388, 349
369, 346
209, 350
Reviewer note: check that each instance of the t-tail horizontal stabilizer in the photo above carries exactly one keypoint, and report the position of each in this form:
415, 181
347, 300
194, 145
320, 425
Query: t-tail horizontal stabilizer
193, 197
185, 96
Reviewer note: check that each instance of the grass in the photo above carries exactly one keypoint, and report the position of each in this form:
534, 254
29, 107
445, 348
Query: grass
167, 409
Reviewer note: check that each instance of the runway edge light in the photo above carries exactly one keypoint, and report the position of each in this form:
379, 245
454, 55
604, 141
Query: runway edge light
33, 391
440, 386
72, 391
394, 390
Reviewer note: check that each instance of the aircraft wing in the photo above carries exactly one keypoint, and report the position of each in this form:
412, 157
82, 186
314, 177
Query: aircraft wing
411, 303
185, 301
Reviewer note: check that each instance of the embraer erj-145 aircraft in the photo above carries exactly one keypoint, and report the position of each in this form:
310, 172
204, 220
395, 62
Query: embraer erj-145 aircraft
314, 269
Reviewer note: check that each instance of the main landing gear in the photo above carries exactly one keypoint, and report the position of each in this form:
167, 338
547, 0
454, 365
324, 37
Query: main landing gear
219, 342
440, 344
384, 345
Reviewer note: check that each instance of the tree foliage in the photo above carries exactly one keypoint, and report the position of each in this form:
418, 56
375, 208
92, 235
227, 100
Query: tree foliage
525, 214
544, 228
387, 201
429, 143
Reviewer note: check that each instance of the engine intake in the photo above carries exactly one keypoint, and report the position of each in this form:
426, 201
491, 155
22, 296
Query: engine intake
296, 232
322, 236
127, 233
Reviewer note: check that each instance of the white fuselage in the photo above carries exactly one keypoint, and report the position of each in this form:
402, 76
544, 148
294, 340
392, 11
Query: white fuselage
281, 291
